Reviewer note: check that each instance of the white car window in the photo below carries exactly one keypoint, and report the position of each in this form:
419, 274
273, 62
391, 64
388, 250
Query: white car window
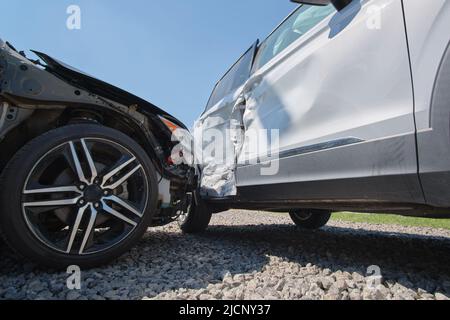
297, 24
233, 79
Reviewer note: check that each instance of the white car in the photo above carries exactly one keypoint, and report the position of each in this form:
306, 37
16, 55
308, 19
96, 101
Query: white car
345, 106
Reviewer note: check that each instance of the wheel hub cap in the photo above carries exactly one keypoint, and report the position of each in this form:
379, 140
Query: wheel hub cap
93, 194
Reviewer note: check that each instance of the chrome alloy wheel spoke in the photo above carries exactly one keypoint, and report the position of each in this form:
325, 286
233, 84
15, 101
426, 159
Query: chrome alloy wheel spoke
53, 190
77, 163
119, 182
53, 203
90, 161
75, 227
116, 171
124, 204
117, 214
89, 229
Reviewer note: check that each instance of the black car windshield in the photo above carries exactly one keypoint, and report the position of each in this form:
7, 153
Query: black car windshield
233, 79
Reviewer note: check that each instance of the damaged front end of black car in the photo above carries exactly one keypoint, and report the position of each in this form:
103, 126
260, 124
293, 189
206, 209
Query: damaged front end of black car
85, 166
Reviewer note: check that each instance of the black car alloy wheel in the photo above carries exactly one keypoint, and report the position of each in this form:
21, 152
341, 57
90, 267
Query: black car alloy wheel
84, 205
86, 196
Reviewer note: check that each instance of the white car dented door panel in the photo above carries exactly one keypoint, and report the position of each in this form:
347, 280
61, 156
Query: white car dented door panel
341, 97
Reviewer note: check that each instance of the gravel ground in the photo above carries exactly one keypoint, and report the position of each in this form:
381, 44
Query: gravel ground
253, 255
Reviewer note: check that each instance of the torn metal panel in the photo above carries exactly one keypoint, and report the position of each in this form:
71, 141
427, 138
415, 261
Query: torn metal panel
219, 133
220, 141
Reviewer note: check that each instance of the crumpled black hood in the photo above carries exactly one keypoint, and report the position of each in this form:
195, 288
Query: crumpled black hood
101, 88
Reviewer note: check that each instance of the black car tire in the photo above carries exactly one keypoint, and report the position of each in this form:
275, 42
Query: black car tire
24, 235
310, 219
197, 219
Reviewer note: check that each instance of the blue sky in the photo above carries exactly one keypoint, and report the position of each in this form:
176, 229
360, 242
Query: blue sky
170, 53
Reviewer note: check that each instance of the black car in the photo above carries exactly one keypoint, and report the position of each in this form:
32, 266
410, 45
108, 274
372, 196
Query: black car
85, 167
